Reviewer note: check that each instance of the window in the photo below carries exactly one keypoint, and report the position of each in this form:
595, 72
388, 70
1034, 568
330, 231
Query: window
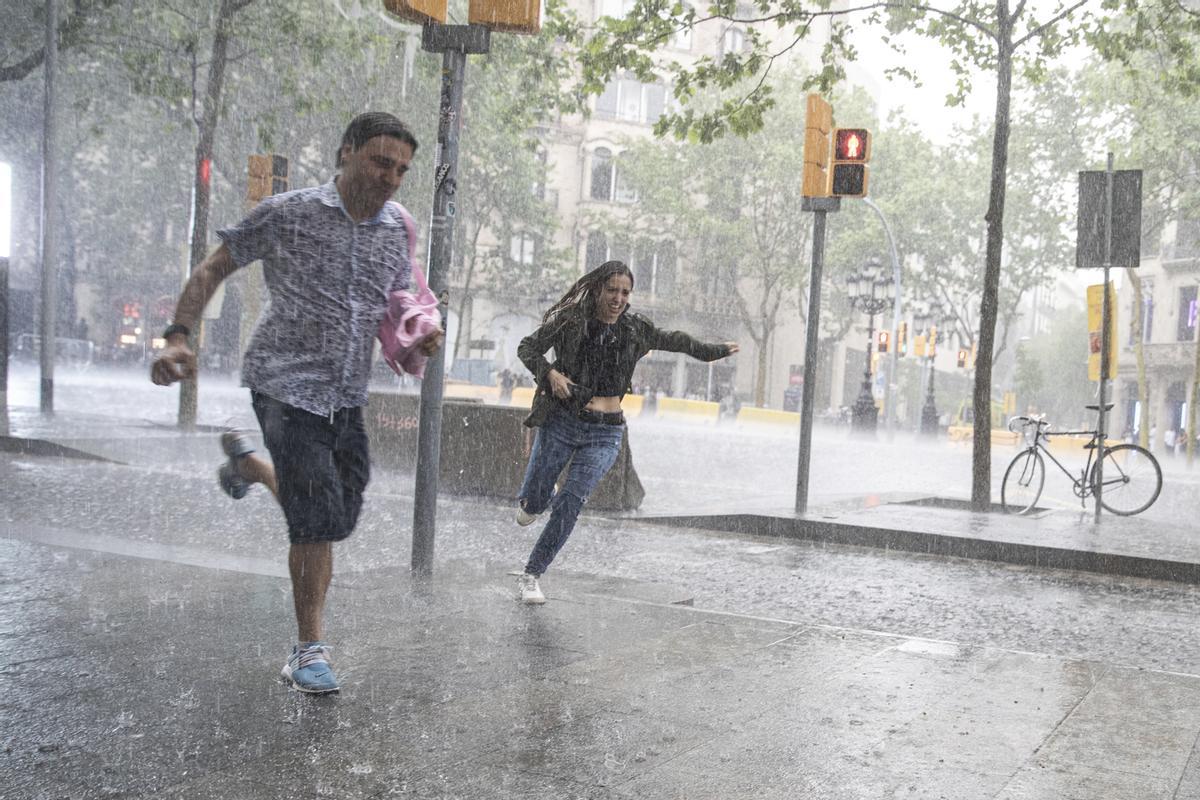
1147, 313
1187, 238
607, 182
602, 174
733, 41
624, 193
613, 8
1186, 329
597, 250
653, 268
631, 100
523, 249
539, 184
682, 39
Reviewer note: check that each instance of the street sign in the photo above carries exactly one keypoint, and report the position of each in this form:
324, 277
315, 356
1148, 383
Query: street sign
1093, 215
1095, 300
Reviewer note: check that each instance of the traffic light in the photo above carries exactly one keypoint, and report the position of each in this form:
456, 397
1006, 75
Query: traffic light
818, 122
919, 345
902, 340
851, 152
962, 358
514, 16
884, 337
268, 175
418, 11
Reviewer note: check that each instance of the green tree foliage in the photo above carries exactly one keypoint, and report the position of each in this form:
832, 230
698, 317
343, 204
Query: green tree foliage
998, 38
296, 73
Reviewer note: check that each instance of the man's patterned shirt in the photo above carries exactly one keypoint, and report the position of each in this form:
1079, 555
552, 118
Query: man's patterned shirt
328, 281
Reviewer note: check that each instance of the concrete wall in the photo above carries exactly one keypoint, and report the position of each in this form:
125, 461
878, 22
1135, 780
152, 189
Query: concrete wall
484, 449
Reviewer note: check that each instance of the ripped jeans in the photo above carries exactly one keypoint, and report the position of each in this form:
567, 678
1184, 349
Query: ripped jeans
592, 449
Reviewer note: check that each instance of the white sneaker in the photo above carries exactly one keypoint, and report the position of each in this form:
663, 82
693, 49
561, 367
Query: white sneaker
524, 517
530, 592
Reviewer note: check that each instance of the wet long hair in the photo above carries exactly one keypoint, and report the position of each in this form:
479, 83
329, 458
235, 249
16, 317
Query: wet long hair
584, 294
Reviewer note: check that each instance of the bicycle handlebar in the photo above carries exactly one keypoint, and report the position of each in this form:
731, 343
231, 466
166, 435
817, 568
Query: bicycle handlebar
1025, 420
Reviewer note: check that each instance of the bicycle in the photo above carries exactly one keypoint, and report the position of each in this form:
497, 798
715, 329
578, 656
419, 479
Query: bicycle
1132, 476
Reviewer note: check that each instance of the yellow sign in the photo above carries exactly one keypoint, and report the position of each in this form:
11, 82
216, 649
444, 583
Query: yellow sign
919, 344
1095, 298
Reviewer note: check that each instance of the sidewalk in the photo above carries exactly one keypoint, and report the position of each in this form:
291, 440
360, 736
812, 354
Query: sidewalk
146, 667
140, 677
914, 522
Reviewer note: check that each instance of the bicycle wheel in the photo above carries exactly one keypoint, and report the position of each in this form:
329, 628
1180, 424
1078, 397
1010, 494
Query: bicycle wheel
1023, 480
1132, 479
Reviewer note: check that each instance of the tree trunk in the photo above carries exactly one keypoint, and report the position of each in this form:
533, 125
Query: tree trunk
202, 180
760, 377
1195, 398
981, 466
1139, 355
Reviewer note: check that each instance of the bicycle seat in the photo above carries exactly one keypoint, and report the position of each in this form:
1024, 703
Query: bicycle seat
1096, 406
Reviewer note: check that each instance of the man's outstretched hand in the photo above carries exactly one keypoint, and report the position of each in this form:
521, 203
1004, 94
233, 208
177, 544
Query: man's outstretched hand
177, 362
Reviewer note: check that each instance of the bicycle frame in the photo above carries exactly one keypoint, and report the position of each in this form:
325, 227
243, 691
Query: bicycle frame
1082, 486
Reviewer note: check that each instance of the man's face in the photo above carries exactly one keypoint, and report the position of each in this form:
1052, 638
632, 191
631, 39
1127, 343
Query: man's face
372, 173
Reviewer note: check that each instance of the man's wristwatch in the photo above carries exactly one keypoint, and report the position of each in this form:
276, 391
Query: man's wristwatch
175, 328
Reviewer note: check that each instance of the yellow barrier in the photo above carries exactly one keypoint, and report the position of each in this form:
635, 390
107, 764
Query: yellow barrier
522, 396
1071, 445
472, 391
674, 408
1001, 437
632, 404
748, 415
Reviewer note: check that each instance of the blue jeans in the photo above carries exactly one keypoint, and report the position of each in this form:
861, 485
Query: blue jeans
592, 449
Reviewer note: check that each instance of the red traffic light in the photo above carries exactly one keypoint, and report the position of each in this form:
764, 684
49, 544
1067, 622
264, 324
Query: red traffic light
851, 144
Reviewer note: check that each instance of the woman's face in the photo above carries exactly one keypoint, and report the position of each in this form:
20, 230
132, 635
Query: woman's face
614, 297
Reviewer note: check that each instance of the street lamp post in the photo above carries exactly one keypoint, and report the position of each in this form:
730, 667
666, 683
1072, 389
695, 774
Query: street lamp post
924, 321
868, 292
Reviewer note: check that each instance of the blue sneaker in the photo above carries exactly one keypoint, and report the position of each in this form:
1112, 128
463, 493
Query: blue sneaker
235, 445
308, 670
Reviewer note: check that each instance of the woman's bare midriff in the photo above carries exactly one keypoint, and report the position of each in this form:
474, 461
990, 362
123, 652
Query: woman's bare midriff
607, 405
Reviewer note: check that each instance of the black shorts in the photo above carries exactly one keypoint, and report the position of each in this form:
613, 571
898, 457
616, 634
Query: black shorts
321, 465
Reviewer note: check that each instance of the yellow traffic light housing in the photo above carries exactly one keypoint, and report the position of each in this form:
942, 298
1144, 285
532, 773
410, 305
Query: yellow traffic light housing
818, 123
418, 11
513, 16
902, 340
267, 175
851, 152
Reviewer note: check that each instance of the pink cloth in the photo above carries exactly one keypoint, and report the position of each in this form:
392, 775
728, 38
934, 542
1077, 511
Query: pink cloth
410, 317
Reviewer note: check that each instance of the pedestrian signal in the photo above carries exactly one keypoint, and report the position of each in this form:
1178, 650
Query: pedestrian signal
818, 122
962, 358
851, 152
418, 11
268, 175
884, 337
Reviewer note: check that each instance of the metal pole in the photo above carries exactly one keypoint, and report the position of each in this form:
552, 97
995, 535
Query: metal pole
1105, 344
49, 215
454, 42
3, 345
811, 339
894, 365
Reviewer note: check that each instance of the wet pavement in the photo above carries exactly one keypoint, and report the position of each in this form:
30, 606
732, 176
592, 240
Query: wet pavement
145, 617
